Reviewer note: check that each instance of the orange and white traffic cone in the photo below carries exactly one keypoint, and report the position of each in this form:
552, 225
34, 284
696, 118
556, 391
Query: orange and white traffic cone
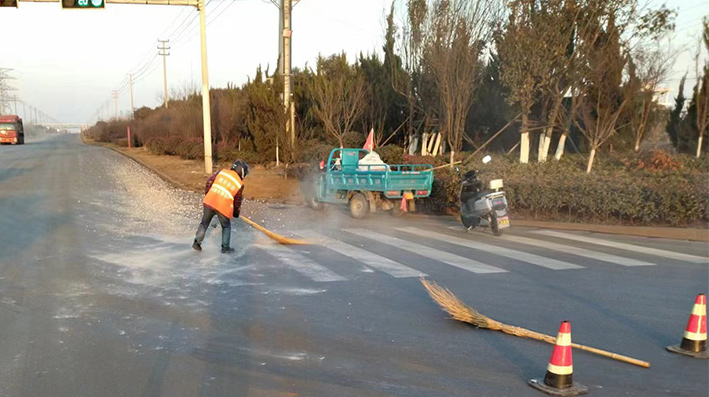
694, 342
559, 378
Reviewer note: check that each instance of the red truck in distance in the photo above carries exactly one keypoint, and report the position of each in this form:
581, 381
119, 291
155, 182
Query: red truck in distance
11, 130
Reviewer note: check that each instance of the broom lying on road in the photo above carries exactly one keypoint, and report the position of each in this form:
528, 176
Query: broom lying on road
462, 312
277, 237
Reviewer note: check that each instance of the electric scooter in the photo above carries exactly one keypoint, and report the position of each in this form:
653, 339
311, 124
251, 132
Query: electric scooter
479, 204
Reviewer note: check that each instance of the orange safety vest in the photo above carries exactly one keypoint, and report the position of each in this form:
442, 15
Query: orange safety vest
221, 195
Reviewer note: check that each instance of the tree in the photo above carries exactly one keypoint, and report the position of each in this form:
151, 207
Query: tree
602, 99
264, 114
647, 68
490, 110
456, 33
558, 20
532, 49
408, 84
339, 95
675, 120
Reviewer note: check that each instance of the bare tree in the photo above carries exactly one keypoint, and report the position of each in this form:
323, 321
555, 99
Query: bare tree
703, 90
339, 97
456, 33
649, 66
602, 97
411, 48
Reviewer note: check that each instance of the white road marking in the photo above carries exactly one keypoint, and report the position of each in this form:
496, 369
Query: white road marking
431, 253
625, 246
618, 260
493, 249
378, 262
301, 264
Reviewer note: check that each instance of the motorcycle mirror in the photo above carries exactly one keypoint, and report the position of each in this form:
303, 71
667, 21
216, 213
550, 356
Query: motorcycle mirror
487, 159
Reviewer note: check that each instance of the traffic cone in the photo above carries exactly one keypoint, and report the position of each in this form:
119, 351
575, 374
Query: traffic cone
558, 380
694, 343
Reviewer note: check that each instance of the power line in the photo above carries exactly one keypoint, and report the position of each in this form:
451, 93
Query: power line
222, 12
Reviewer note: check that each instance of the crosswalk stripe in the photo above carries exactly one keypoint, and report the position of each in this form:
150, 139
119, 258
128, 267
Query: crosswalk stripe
301, 264
493, 249
618, 260
428, 252
625, 246
378, 262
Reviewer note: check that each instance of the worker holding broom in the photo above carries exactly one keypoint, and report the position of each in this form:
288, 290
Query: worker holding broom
223, 196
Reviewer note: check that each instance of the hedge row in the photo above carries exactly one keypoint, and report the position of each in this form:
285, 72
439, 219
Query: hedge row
618, 192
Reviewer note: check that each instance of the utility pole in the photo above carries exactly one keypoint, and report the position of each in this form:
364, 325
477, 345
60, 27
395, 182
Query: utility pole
163, 51
115, 103
286, 33
206, 109
281, 58
15, 98
24, 110
132, 108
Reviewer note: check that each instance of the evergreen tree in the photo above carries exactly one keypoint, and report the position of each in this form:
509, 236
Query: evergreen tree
673, 124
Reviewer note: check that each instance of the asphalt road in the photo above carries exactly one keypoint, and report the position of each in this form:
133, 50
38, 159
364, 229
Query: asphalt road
101, 295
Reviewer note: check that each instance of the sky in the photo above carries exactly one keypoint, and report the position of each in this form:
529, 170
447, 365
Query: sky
67, 62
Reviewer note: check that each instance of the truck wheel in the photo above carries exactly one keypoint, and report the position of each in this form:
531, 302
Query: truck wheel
315, 204
494, 226
359, 207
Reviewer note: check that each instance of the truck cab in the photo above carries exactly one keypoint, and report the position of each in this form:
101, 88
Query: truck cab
11, 130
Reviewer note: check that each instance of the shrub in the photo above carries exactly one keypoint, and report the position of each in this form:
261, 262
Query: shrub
563, 191
299, 170
353, 139
391, 154
315, 152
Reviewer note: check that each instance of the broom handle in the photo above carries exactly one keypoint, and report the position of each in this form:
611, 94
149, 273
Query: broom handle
615, 356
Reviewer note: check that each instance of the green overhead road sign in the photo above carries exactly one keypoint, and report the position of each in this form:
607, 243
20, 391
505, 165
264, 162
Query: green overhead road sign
87, 4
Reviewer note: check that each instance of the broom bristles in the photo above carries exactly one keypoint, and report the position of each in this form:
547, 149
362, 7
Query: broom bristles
275, 236
456, 308
462, 312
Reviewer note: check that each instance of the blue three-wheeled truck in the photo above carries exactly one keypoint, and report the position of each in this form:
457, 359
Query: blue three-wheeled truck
369, 187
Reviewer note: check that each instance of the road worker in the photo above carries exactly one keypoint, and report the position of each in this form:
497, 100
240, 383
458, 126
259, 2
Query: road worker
223, 196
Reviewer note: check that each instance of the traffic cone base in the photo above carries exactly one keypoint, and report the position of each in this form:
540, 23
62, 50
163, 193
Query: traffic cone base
574, 390
679, 350
558, 380
694, 342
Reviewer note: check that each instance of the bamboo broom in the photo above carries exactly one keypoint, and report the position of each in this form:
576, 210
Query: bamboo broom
277, 237
462, 312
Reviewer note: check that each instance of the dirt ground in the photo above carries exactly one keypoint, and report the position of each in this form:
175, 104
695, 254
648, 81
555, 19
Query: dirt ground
263, 183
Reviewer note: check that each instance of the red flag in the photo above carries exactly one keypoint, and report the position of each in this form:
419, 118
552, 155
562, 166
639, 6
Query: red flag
369, 145
403, 205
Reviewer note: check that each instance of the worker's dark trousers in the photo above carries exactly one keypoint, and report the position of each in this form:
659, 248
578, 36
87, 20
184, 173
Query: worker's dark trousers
207, 216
